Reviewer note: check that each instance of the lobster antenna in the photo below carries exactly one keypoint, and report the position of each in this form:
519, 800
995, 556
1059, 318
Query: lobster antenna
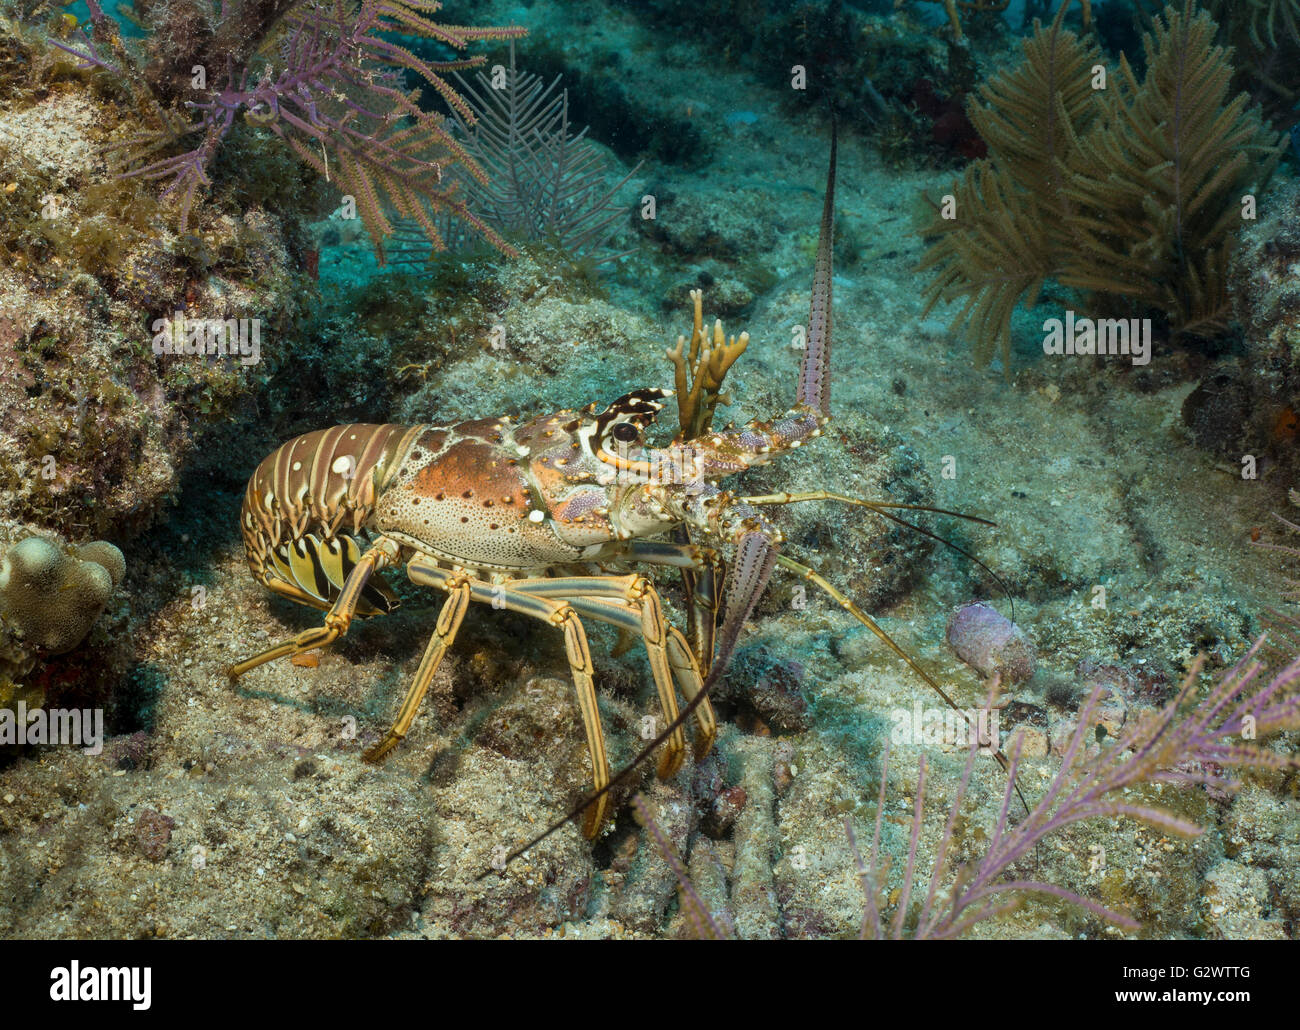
814, 372
956, 547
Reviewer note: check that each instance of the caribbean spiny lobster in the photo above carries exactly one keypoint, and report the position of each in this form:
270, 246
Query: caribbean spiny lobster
547, 517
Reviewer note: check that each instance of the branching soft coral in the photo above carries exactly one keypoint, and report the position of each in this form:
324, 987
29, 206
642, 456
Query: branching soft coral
1184, 744
1130, 192
545, 181
328, 78
699, 371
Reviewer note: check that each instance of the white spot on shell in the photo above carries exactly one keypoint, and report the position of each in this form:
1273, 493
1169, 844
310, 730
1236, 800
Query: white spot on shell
521, 451
536, 516
297, 465
342, 464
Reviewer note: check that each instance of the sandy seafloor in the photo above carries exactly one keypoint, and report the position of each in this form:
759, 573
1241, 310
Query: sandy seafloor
279, 830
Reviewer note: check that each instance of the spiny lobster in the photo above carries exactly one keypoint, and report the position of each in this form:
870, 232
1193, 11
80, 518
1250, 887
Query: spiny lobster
546, 517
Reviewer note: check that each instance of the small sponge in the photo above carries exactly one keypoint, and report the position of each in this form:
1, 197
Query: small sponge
50, 596
989, 642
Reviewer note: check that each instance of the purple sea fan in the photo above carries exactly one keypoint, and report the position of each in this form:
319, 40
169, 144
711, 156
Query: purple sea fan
1181, 744
704, 924
335, 93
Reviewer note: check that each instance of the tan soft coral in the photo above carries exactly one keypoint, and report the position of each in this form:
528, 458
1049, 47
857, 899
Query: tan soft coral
1130, 193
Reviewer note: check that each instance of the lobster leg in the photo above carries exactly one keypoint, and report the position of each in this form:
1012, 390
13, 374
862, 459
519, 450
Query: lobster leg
702, 588
701, 574
425, 571
575, 646
638, 593
688, 676
457, 585
337, 619
680, 658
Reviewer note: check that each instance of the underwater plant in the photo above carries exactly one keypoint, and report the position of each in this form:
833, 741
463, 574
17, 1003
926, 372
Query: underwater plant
544, 181
1130, 193
325, 76
1183, 744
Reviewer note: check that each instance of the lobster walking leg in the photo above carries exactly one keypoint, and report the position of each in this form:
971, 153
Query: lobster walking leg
703, 591
639, 593
701, 569
425, 571
575, 646
687, 670
681, 660
457, 585
337, 619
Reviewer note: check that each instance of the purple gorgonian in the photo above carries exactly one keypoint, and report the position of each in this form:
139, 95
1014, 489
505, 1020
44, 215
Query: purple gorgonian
328, 77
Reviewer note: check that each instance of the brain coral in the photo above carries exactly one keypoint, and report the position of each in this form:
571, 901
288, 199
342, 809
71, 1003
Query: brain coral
51, 596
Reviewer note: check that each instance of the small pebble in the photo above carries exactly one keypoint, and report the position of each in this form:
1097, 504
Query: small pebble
153, 833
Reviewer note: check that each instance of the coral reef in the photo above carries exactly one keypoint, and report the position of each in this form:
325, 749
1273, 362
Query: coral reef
104, 420
1130, 193
49, 598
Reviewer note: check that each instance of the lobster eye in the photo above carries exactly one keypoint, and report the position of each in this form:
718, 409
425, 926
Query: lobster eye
625, 432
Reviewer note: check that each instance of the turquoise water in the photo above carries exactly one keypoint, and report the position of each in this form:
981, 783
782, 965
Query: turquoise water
196, 270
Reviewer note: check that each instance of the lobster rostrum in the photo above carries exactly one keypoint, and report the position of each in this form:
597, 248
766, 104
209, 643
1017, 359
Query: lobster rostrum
549, 517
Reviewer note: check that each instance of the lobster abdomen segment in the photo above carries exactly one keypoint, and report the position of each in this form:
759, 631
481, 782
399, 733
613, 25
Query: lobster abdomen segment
307, 504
